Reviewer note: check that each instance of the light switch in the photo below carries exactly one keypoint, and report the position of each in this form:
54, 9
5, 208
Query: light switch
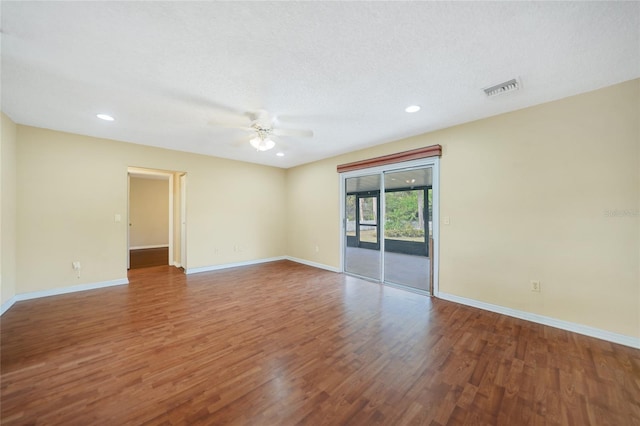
117, 218
446, 220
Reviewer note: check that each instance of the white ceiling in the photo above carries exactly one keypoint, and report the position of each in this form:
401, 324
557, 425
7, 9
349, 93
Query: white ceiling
346, 70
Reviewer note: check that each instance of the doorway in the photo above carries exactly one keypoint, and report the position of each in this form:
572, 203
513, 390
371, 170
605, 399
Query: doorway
156, 217
389, 224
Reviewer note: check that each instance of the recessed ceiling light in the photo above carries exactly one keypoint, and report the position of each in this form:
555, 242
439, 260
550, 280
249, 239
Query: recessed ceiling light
105, 117
412, 108
280, 154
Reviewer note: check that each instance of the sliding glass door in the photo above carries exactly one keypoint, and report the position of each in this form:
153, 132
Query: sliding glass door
388, 226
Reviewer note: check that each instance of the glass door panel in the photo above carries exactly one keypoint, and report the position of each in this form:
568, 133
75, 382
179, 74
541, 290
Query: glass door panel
368, 207
407, 224
362, 222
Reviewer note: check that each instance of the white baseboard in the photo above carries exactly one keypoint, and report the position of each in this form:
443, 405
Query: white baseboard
541, 319
314, 264
71, 289
231, 265
6, 305
149, 247
82, 287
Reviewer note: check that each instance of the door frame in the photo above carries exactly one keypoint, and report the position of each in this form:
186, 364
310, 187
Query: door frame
183, 220
434, 163
169, 176
367, 244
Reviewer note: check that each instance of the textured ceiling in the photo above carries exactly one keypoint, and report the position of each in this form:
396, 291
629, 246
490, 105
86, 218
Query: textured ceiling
346, 70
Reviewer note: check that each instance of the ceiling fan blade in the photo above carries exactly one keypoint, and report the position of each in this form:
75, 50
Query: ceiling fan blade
261, 117
209, 105
231, 125
293, 132
237, 143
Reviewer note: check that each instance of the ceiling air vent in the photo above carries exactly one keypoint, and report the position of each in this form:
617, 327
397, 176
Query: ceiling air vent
506, 87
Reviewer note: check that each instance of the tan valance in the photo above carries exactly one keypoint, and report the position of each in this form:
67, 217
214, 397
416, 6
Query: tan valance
399, 157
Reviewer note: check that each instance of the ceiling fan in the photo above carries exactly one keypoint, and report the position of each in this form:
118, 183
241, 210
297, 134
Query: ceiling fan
262, 126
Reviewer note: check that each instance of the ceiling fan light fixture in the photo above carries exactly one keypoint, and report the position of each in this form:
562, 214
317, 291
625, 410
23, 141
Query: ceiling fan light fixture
261, 144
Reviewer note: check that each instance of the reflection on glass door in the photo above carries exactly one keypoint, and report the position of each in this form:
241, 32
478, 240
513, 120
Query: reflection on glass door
407, 227
368, 208
362, 224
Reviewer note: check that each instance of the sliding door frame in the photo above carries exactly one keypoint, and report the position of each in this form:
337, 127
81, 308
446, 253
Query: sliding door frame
434, 164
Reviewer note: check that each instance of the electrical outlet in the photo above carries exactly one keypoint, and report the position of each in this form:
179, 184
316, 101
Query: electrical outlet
535, 286
76, 267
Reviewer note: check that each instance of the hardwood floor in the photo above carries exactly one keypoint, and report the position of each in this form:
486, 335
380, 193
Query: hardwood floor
284, 344
144, 258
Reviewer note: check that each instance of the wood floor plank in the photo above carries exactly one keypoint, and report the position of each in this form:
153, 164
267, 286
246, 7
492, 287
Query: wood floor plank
283, 343
144, 258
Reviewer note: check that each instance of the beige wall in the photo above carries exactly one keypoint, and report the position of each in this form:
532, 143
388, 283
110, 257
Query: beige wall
313, 213
539, 193
71, 186
528, 194
8, 209
148, 212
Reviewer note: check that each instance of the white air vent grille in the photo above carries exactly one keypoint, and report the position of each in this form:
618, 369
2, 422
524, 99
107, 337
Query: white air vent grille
506, 87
